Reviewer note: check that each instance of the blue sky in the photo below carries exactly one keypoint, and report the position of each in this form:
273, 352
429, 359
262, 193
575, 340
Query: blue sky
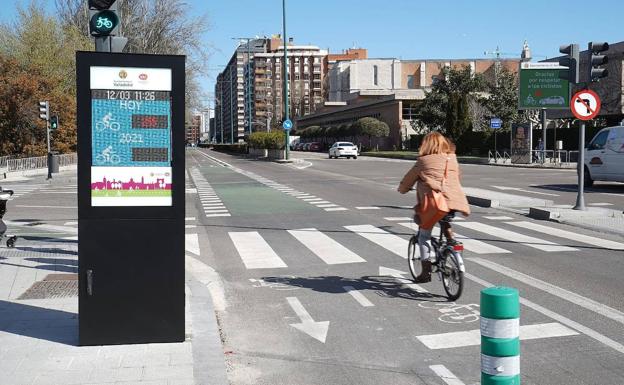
407, 29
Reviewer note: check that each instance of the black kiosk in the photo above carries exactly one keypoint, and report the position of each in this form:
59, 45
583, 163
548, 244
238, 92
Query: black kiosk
130, 197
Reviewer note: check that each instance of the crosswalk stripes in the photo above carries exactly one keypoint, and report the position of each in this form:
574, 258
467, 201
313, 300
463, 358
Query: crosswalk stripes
21, 190
256, 252
594, 241
388, 241
473, 245
211, 203
512, 236
330, 251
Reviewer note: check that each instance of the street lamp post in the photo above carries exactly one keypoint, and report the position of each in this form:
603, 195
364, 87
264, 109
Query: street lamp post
285, 75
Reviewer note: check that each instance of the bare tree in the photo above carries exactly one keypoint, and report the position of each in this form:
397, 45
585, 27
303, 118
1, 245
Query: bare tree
155, 27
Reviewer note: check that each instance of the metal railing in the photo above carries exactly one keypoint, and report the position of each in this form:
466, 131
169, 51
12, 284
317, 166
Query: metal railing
496, 157
23, 164
560, 157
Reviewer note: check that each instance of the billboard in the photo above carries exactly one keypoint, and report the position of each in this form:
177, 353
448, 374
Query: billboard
130, 136
541, 88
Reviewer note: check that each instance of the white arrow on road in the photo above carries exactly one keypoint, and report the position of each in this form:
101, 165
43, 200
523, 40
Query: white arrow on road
316, 330
386, 271
504, 188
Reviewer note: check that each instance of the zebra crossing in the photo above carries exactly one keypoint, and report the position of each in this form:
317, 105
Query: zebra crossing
258, 251
23, 189
211, 203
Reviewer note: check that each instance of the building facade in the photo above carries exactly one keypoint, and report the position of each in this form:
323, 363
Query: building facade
305, 76
389, 90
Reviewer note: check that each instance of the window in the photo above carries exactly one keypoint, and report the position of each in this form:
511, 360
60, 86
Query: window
375, 75
600, 141
410, 81
296, 76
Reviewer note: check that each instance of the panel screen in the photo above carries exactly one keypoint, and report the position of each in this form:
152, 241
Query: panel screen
131, 136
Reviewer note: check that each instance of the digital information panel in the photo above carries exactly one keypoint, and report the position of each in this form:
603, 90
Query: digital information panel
130, 136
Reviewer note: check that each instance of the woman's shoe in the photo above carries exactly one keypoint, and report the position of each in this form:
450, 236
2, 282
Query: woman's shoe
425, 275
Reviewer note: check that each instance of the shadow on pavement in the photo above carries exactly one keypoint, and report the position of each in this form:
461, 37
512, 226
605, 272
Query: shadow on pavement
383, 286
46, 250
54, 268
37, 322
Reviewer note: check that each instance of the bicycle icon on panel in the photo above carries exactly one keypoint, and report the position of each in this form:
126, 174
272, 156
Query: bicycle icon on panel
104, 22
108, 155
107, 122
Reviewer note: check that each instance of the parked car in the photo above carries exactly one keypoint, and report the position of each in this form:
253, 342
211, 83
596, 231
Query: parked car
346, 149
604, 156
299, 146
315, 146
306, 147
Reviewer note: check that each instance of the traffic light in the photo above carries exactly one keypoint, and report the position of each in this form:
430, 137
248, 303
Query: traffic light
44, 110
571, 61
103, 18
596, 60
54, 122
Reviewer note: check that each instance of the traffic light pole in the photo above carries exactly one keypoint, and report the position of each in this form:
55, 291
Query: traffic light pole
580, 169
49, 153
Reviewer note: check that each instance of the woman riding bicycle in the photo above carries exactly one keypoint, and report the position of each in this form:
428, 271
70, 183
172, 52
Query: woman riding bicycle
436, 157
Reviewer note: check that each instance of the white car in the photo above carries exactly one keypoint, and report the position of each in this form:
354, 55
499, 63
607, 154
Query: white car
346, 149
604, 156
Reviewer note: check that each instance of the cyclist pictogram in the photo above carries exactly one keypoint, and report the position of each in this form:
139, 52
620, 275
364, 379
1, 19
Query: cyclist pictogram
107, 155
107, 122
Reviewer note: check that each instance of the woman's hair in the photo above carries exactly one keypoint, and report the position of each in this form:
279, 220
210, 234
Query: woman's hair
434, 143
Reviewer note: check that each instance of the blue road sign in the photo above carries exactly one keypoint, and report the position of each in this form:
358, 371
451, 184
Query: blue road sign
287, 124
496, 123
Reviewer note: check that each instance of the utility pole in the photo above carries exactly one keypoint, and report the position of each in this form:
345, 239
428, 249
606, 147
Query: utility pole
285, 76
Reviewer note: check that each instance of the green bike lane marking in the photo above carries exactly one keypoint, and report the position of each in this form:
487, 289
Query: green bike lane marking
242, 195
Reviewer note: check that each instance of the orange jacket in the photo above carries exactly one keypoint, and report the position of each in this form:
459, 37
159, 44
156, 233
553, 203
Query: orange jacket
429, 172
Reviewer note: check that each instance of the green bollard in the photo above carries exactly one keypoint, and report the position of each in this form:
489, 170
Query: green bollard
500, 336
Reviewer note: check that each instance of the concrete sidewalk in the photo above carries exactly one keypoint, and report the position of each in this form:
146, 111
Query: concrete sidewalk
39, 329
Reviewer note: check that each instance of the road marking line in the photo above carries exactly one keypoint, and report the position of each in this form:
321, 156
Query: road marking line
498, 218
330, 251
473, 337
358, 296
512, 236
336, 209
368, 208
567, 295
312, 199
218, 215
473, 245
602, 243
558, 317
192, 243
255, 251
395, 219
213, 204
215, 211
320, 202
446, 375
73, 223
189, 218
327, 205
189, 226
305, 196
388, 241
48, 207
600, 204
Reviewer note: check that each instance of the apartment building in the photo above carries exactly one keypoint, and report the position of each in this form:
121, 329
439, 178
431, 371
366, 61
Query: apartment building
305, 75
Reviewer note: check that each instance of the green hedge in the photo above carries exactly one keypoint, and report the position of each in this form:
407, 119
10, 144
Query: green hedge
274, 140
238, 148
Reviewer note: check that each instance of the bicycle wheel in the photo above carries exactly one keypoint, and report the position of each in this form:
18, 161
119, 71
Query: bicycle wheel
413, 260
452, 276
114, 159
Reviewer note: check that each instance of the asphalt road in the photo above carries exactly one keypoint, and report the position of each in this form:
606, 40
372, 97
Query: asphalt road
306, 265
311, 259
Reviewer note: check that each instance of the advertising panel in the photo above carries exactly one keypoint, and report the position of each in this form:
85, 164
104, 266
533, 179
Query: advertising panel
131, 136
541, 88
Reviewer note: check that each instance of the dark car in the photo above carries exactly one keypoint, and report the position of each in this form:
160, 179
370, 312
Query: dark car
315, 146
299, 146
306, 147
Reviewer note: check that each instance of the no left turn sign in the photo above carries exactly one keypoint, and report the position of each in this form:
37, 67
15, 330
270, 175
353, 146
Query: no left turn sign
585, 104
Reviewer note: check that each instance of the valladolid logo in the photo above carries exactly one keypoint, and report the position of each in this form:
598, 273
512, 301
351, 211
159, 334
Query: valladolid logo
143, 77
122, 83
